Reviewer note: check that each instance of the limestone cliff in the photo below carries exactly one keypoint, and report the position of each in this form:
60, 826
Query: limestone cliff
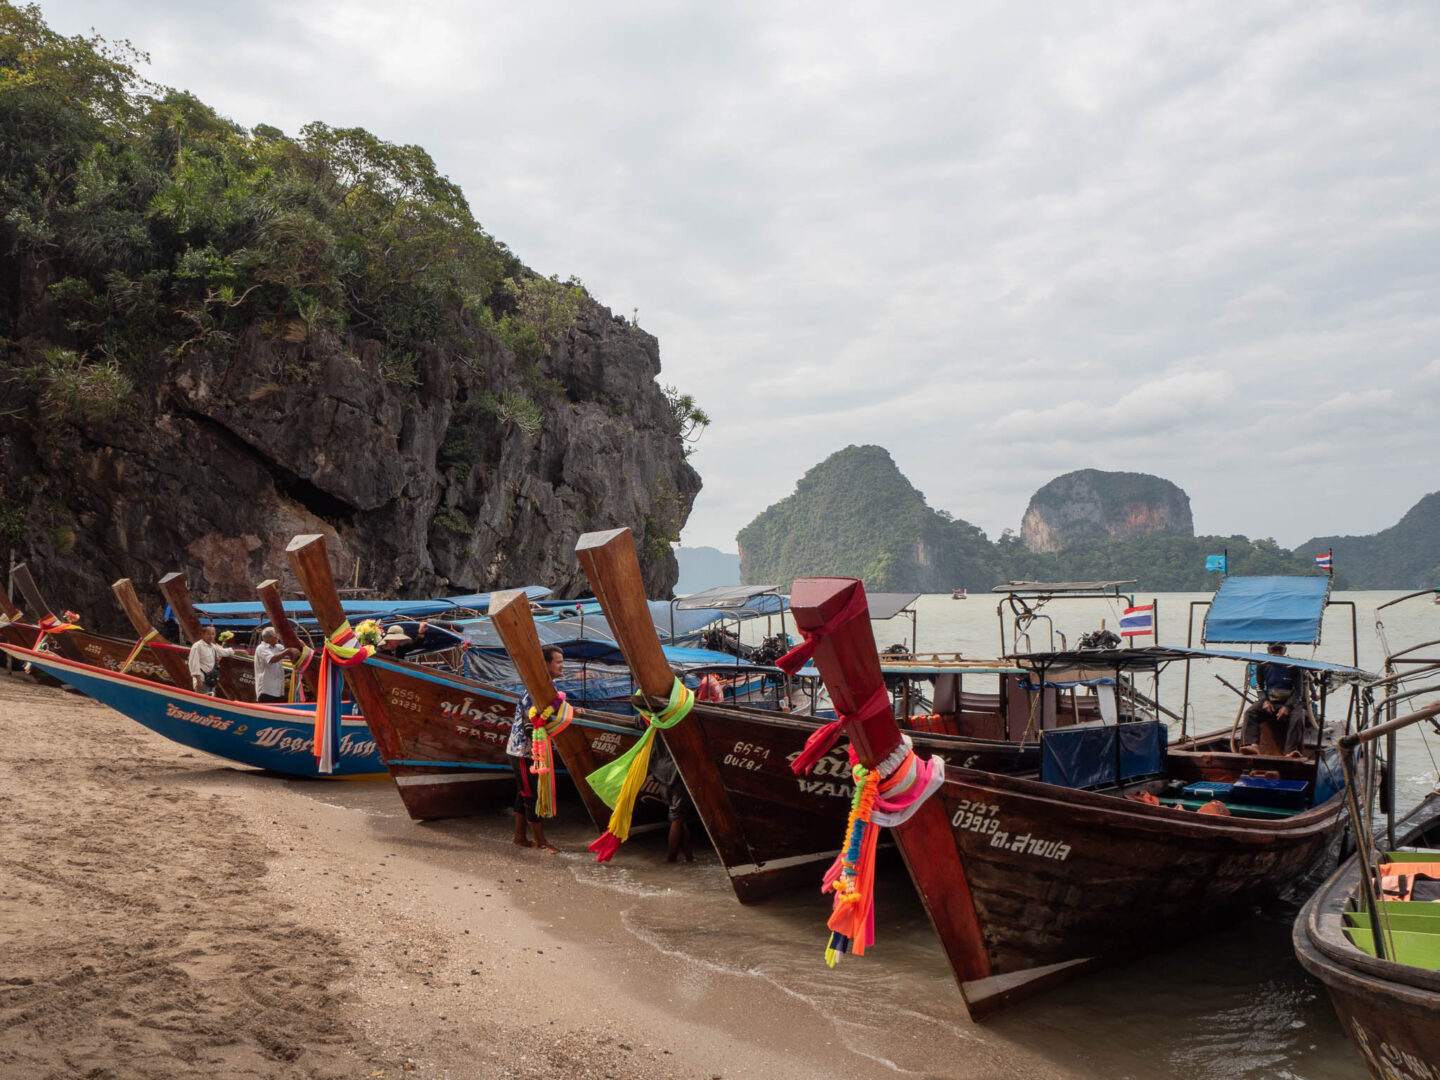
856, 515
1092, 505
482, 474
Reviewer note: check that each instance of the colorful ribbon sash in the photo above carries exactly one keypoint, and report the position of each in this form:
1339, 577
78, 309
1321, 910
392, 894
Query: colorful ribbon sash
795, 659
618, 783
886, 796
297, 673
139, 645
542, 750
342, 650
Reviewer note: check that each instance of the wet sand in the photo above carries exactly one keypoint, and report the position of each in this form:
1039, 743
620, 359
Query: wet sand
165, 915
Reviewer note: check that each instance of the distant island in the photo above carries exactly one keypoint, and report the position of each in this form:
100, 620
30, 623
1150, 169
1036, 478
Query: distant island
704, 568
855, 514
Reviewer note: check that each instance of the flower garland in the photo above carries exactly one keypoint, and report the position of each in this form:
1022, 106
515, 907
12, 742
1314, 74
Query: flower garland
543, 751
618, 783
886, 796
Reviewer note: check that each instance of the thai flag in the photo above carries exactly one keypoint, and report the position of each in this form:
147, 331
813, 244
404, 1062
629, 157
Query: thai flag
1138, 621
1325, 562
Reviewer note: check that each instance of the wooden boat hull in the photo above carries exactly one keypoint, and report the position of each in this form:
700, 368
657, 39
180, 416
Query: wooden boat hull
781, 830
445, 737
1063, 880
277, 738
1390, 1011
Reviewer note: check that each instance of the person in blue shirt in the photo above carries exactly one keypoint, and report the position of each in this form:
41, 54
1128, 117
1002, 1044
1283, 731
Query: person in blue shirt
1282, 700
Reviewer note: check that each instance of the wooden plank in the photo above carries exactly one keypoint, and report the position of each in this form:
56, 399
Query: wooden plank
848, 663
170, 659
613, 569
510, 615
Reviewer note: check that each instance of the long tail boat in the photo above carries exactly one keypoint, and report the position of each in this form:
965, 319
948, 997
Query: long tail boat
1029, 883
773, 830
147, 657
442, 736
1371, 933
273, 737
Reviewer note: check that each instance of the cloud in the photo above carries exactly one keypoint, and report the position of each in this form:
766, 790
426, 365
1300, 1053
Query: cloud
1001, 241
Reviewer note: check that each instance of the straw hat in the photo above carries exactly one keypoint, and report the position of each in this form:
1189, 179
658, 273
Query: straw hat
396, 635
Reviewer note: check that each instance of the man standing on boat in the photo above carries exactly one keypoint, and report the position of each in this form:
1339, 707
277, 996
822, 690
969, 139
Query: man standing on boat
1282, 699
270, 657
518, 751
204, 662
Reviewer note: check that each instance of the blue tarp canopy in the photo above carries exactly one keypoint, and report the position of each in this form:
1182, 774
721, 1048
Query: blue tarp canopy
252, 612
1255, 609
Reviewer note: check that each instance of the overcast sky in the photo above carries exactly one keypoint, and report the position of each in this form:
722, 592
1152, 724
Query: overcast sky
1002, 240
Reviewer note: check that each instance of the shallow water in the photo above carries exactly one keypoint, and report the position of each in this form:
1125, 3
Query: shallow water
1234, 1005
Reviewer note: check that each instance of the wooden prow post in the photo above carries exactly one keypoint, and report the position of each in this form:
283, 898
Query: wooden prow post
269, 593
177, 595
8, 609
311, 563
174, 664
850, 666
510, 615
39, 609
610, 562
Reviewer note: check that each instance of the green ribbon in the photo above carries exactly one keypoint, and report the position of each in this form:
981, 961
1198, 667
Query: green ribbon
608, 780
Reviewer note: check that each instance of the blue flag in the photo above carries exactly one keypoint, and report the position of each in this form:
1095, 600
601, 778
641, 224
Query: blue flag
1215, 562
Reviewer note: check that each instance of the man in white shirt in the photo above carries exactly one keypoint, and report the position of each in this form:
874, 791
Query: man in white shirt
204, 662
270, 657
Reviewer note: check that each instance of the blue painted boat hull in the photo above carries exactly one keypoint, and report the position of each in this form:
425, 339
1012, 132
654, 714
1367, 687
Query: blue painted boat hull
277, 738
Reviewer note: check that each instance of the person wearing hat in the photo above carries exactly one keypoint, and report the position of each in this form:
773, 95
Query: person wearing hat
270, 657
1282, 700
398, 644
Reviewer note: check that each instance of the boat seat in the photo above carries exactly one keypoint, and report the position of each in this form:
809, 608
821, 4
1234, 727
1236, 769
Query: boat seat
1415, 948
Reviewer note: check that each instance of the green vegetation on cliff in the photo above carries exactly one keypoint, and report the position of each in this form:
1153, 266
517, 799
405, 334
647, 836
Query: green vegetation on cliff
147, 224
1404, 556
856, 515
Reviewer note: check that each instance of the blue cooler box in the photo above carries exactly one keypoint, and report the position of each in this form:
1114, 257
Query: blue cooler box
1281, 794
1207, 789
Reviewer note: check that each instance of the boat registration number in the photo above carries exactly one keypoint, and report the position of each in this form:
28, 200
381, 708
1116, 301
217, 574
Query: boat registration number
984, 819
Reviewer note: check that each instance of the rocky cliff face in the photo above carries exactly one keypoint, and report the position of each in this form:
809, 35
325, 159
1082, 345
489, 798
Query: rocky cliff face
480, 475
1093, 505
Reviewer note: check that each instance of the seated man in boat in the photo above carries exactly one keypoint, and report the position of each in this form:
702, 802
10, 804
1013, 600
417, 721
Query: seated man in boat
270, 657
1282, 699
204, 662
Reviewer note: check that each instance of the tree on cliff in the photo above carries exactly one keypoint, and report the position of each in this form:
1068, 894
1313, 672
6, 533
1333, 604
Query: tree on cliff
316, 324
856, 515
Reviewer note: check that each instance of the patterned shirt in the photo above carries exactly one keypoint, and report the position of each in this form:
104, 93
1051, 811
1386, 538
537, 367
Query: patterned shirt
520, 730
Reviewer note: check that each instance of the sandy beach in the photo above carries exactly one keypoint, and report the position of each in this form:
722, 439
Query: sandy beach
165, 915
